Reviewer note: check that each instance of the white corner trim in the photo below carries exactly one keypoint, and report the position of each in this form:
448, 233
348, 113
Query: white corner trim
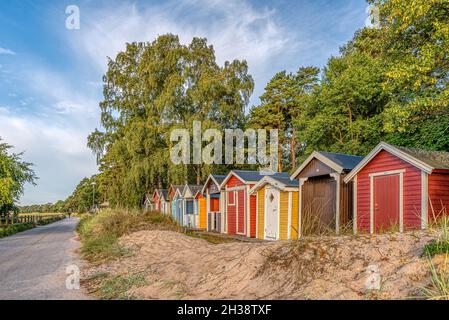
337, 178
278, 235
248, 213
301, 183
424, 199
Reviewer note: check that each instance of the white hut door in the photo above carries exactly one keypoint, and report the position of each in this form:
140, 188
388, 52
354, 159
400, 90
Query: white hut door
272, 213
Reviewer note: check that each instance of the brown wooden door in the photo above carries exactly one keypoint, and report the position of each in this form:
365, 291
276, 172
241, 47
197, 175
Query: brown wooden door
319, 204
386, 202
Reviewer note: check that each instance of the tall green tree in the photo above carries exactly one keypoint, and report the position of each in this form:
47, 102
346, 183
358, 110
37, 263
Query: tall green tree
151, 89
14, 174
285, 99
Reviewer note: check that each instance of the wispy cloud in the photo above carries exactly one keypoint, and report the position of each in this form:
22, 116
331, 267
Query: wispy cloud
7, 51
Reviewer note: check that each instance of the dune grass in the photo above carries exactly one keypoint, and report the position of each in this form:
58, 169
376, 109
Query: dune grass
100, 233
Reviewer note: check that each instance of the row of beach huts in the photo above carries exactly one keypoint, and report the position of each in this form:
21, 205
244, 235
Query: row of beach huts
392, 187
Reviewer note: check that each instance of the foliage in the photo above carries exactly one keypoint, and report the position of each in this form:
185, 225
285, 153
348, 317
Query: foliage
13, 229
150, 89
6, 231
284, 100
14, 174
436, 247
388, 83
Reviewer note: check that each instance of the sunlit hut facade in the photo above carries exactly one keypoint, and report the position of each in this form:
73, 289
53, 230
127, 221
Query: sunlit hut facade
177, 204
277, 208
164, 202
148, 202
397, 188
156, 200
171, 192
200, 211
188, 198
325, 200
240, 206
215, 219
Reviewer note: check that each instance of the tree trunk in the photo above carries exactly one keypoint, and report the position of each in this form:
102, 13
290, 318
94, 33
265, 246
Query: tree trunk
292, 149
280, 159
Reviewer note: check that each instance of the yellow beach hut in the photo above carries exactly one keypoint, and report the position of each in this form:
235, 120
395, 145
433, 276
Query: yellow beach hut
277, 208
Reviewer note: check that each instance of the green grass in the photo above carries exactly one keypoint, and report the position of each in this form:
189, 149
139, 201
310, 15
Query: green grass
6, 231
436, 247
100, 233
116, 288
13, 229
439, 287
439, 227
210, 238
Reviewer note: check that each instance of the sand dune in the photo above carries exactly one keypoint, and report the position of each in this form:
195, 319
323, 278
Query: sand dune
176, 266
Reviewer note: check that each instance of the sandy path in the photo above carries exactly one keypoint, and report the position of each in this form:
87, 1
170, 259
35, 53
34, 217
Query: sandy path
181, 267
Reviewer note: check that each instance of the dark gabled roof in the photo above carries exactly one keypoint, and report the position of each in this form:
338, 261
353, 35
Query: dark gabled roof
346, 161
219, 178
436, 159
286, 180
257, 175
194, 188
178, 187
164, 193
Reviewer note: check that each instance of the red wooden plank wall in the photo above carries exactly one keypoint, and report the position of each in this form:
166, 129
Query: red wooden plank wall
385, 161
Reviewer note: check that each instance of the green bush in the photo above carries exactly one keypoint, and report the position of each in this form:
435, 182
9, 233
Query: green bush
13, 229
436, 247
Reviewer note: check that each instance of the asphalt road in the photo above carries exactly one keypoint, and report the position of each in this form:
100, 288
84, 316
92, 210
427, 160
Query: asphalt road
33, 263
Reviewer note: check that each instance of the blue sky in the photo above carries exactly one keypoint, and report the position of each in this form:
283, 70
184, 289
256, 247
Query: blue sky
50, 77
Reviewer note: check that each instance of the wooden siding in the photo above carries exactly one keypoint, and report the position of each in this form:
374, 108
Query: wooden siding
382, 162
283, 215
319, 198
315, 168
202, 212
295, 214
261, 213
252, 216
240, 205
241, 216
438, 194
346, 204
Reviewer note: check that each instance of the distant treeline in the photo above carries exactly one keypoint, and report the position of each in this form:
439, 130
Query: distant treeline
80, 201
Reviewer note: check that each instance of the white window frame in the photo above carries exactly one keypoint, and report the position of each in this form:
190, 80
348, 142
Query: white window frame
229, 202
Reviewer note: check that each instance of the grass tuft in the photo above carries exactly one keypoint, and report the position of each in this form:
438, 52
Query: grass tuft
100, 233
117, 288
439, 287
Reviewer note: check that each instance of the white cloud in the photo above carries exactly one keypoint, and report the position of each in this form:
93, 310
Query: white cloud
236, 29
59, 153
7, 51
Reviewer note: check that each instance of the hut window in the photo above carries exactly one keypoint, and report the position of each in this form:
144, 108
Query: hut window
271, 197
